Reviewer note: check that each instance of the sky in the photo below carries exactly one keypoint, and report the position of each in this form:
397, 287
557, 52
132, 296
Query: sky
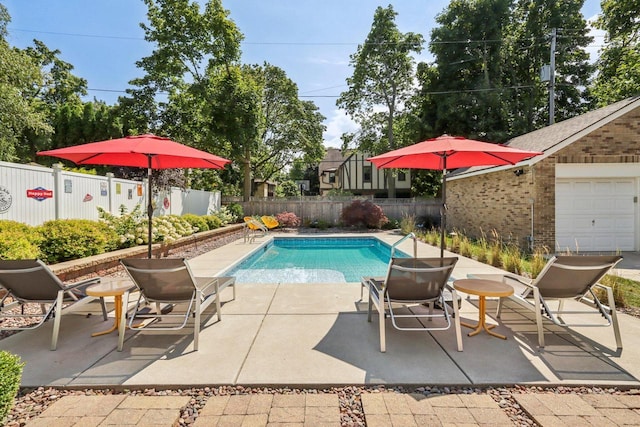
311, 40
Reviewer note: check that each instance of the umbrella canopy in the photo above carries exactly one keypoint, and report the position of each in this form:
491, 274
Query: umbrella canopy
450, 152
143, 151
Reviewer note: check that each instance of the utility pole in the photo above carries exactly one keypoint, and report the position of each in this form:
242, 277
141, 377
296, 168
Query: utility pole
552, 76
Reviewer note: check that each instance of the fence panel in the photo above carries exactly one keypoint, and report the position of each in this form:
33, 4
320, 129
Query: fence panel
314, 208
36, 194
26, 193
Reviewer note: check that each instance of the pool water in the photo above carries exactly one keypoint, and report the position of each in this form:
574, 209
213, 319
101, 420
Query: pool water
315, 260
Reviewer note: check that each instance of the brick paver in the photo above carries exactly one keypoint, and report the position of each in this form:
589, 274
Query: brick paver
323, 409
550, 410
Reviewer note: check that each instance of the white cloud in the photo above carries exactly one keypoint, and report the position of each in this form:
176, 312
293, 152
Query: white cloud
337, 124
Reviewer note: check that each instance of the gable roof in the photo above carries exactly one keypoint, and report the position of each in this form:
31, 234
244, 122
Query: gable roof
561, 134
557, 136
332, 160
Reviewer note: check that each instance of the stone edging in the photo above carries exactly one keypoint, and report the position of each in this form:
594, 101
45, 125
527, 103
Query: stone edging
70, 270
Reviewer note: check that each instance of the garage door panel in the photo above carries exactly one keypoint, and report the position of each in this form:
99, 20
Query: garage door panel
595, 214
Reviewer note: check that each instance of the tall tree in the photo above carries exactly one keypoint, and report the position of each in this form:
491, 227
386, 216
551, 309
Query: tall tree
619, 63
467, 82
19, 112
382, 78
59, 89
528, 49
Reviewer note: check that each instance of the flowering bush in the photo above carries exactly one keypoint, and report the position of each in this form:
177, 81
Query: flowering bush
199, 223
226, 215
130, 227
363, 213
288, 219
169, 228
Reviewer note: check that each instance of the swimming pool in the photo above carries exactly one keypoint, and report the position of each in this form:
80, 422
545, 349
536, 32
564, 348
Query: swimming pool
315, 260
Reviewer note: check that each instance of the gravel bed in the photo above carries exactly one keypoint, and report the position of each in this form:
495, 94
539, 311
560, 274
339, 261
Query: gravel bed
31, 402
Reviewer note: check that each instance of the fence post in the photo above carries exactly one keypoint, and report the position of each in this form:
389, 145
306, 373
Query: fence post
57, 189
110, 192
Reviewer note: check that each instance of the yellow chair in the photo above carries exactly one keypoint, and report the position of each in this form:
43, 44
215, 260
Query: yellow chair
270, 222
253, 226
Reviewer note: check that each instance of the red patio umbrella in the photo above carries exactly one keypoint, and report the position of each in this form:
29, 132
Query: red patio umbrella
143, 151
450, 152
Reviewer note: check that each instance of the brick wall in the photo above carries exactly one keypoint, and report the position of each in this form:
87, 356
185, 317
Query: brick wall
501, 200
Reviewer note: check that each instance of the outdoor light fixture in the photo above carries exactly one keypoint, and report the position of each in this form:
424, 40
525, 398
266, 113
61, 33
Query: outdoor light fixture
518, 172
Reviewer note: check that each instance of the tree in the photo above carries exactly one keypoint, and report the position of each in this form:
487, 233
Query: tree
619, 63
467, 79
19, 113
527, 49
382, 77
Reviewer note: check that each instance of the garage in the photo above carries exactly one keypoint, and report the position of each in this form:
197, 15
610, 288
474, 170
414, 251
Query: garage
595, 214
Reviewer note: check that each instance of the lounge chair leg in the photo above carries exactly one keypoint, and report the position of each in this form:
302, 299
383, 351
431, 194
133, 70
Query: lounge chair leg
614, 318
123, 320
381, 320
499, 308
196, 326
56, 320
104, 309
218, 307
456, 320
536, 297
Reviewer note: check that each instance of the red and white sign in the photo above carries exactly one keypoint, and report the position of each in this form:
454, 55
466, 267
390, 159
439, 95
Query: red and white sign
39, 193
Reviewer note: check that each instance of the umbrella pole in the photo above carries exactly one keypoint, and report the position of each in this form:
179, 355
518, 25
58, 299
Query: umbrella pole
149, 206
443, 211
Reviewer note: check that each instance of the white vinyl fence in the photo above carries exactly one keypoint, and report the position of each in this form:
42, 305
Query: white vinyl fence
34, 194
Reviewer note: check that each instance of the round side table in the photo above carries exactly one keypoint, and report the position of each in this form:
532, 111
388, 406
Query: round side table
111, 288
483, 288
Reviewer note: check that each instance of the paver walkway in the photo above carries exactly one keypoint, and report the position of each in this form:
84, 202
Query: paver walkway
323, 409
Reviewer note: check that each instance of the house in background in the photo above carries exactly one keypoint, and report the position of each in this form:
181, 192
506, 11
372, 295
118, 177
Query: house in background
353, 173
262, 188
581, 195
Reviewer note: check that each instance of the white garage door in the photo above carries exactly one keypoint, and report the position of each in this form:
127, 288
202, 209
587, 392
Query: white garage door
595, 214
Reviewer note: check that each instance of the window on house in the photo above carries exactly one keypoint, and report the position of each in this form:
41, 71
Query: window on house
366, 174
332, 177
402, 176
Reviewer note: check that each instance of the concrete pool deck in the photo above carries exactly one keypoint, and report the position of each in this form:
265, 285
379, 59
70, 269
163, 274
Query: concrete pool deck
318, 335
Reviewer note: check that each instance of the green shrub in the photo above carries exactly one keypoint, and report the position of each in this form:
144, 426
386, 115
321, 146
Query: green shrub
131, 228
363, 213
67, 239
8, 225
227, 215
17, 245
466, 247
197, 222
236, 211
392, 224
10, 375
213, 221
19, 241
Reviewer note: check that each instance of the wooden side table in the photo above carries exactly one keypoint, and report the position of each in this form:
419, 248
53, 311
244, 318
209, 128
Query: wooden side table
483, 288
111, 288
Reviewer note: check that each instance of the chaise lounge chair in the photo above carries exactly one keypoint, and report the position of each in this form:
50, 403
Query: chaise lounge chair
32, 282
269, 221
171, 281
411, 283
567, 277
254, 227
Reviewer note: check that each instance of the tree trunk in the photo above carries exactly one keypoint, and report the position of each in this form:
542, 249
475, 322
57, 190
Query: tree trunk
247, 175
391, 180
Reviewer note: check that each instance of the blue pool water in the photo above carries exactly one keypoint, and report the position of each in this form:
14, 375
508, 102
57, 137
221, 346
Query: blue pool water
315, 260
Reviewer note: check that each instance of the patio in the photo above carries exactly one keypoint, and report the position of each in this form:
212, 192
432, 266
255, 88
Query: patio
317, 335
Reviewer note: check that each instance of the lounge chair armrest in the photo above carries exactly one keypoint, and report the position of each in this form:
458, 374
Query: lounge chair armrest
79, 289
204, 284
